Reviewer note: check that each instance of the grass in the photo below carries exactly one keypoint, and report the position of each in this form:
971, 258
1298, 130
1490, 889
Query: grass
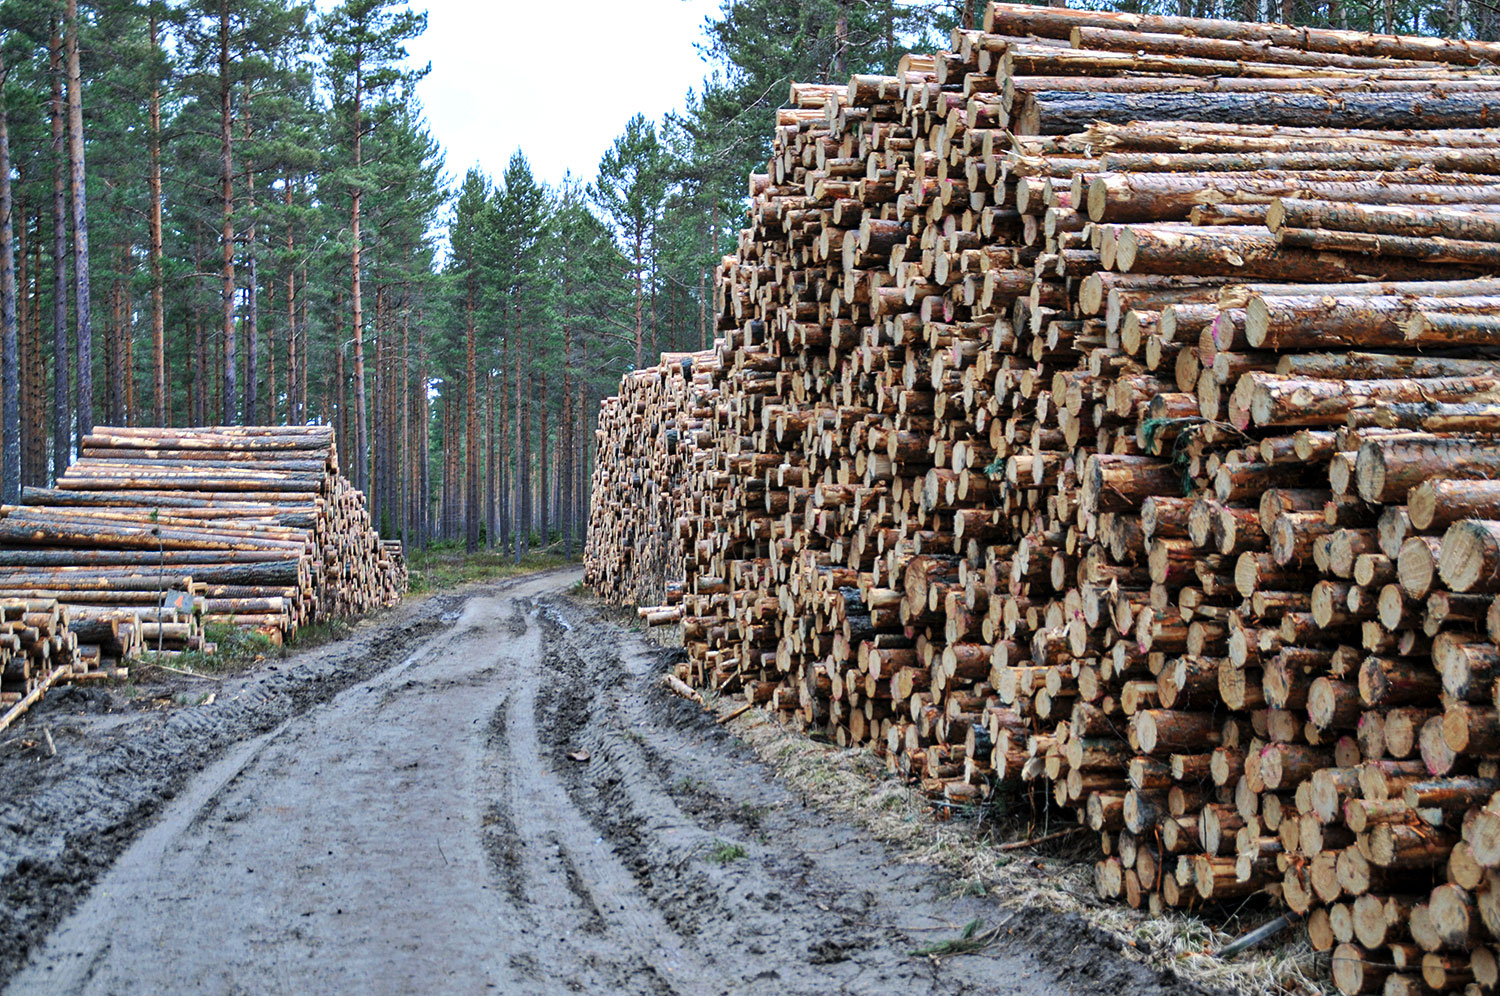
445, 565
972, 939
854, 785
318, 634
752, 815
238, 649
724, 852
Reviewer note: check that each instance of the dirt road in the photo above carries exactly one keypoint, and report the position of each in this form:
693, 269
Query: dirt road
424, 830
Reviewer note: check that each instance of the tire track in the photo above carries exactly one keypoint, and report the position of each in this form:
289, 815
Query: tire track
568, 867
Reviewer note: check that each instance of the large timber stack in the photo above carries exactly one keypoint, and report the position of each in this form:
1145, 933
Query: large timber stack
1107, 404
154, 534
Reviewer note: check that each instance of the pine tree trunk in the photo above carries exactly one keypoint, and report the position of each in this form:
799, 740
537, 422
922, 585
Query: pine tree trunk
38, 476
302, 353
841, 39
471, 422
580, 431
575, 405
703, 298
450, 458
528, 482
361, 448
158, 302
25, 364
252, 302
565, 441
459, 464
639, 304
403, 394
655, 345
119, 372
84, 405
424, 422
543, 451
127, 344
271, 385
522, 523
378, 391
387, 416
445, 500
230, 388
200, 369
375, 493
293, 416
116, 363
219, 380
492, 473
10, 367
507, 508
584, 436
342, 421
33, 370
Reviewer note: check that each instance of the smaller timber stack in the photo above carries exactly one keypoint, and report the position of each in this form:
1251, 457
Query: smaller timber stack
649, 435
154, 534
37, 650
1109, 407
393, 567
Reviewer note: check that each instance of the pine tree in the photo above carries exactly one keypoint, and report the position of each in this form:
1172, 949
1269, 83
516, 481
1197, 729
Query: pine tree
365, 50
589, 295
520, 210
466, 236
630, 189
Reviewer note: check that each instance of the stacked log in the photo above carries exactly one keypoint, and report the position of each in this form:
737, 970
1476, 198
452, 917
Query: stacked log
1104, 406
37, 650
152, 535
647, 436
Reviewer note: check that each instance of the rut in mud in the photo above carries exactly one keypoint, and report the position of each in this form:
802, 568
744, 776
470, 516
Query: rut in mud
517, 807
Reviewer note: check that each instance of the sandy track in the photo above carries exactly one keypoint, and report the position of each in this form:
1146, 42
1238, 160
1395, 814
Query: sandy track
424, 831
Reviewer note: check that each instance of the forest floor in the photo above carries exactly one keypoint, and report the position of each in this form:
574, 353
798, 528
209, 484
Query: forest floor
446, 566
484, 790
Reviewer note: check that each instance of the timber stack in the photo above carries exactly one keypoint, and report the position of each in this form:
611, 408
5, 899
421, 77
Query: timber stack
37, 651
153, 535
1109, 406
650, 434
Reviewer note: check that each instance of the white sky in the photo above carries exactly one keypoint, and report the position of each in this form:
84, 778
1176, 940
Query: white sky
557, 80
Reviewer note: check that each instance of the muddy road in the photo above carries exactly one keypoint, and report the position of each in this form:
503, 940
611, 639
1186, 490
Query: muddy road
504, 801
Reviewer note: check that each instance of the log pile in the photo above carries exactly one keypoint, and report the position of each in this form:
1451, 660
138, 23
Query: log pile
153, 535
37, 650
649, 435
1107, 405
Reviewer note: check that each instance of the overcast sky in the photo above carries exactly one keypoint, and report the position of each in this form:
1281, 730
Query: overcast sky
556, 80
